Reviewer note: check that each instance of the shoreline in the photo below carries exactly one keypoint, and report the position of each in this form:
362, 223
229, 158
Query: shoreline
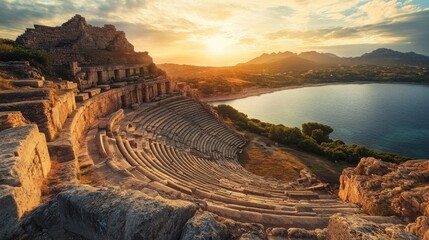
250, 92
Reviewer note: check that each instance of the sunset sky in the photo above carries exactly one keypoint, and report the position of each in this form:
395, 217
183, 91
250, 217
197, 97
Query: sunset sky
230, 32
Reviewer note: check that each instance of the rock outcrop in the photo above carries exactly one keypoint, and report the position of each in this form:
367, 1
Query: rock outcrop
383, 188
354, 227
11, 119
76, 40
204, 226
420, 227
21, 70
24, 162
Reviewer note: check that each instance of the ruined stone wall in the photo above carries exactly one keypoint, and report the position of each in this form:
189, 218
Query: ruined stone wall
65, 104
75, 34
113, 72
49, 111
36, 111
75, 40
24, 163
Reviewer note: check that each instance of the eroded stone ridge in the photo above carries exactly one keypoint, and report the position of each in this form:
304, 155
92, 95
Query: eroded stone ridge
24, 163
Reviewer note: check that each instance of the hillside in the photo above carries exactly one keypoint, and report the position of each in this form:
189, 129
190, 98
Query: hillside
268, 58
291, 63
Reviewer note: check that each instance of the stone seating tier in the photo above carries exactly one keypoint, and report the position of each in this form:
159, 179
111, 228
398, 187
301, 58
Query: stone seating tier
178, 149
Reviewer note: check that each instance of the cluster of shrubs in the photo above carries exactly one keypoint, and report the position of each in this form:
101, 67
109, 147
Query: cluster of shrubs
313, 138
10, 51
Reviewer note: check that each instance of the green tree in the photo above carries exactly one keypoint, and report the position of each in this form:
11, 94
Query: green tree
310, 145
317, 131
319, 136
285, 135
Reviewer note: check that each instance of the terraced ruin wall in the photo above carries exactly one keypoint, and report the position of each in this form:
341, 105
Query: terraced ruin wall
66, 147
25, 162
49, 112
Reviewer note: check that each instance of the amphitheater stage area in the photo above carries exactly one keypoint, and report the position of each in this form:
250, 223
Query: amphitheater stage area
179, 149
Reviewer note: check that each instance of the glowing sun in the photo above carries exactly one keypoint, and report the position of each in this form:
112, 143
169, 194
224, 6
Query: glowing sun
217, 44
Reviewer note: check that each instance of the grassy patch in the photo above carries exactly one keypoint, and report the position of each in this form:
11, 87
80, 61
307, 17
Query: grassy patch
272, 163
265, 158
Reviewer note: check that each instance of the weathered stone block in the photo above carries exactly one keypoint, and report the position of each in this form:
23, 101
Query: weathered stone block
93, 92
19, 95
119, 84
9, 213
104, 87
23, 149
81, 97
28, 83
24, 162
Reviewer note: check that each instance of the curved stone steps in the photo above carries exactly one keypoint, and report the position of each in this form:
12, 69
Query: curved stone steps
178, 149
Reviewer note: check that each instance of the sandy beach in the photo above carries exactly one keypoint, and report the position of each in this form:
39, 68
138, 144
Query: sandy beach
248, 92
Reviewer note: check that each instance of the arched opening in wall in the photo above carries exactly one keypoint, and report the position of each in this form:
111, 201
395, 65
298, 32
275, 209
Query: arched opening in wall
167, 87
134, 71
144, 93
127, 72
99, 77
158, 88
116, 74
123, 101
141, 71
134, 98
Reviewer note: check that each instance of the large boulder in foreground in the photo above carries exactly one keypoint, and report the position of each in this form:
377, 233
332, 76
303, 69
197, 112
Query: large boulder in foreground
355, 227
108, 213
383, 188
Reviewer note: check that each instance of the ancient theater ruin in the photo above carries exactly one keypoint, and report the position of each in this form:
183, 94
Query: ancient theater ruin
114, 149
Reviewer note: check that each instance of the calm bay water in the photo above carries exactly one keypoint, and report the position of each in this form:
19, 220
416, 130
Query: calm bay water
386, 117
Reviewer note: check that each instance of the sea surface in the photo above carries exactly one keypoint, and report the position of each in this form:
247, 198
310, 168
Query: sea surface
385, 117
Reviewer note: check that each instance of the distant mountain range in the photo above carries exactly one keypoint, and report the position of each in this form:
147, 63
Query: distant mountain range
310, 60
288, 61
